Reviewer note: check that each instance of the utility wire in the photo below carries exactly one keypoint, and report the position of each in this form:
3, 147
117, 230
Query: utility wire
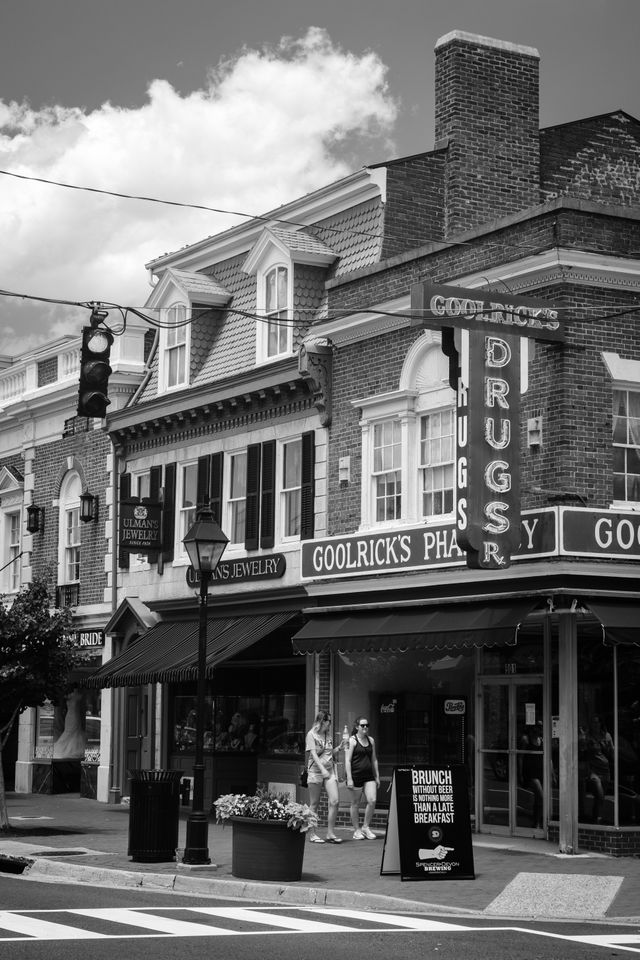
235, 213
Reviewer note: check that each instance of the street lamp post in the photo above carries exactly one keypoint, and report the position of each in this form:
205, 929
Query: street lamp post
205, 543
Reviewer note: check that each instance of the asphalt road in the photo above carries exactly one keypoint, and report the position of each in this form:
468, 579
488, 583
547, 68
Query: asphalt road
70, 921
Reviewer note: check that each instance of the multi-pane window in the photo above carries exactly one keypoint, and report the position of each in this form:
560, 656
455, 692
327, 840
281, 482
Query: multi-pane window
437, 456
276, 308
72, 545
626, 445
141, 485
13, 550
291, 488
237, 496
387, 464
188, 500
175, 355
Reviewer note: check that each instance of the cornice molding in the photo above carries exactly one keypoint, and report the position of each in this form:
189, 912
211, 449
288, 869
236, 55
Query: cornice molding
551, 267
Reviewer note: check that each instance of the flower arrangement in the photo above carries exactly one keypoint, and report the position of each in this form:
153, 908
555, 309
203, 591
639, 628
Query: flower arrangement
265, 805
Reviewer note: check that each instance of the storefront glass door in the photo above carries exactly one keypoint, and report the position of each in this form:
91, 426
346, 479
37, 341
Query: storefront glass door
512, 782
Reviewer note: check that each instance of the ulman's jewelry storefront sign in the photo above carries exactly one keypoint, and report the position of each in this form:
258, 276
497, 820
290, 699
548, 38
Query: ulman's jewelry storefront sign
553, 531
140, 526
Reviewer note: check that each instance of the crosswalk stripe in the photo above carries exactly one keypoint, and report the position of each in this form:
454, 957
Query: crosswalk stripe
391, 919
609, 940
274, 919
158, 924
42, 929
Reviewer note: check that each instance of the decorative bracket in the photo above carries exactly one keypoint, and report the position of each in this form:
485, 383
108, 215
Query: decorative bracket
315, 364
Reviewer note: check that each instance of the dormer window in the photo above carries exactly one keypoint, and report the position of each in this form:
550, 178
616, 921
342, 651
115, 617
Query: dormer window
276, 297
283, 261
176, 347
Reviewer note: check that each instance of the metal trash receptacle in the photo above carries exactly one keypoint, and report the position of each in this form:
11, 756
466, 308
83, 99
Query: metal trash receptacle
154, 813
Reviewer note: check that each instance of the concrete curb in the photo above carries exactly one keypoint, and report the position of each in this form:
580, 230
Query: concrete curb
42, 869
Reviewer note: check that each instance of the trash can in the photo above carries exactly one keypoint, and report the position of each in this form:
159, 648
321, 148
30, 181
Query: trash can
154, 809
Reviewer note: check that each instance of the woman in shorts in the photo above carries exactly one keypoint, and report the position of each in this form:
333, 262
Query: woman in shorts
322, 770
361, 768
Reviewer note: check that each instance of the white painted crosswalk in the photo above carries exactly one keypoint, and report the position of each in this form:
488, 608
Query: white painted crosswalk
199, 922
112, 923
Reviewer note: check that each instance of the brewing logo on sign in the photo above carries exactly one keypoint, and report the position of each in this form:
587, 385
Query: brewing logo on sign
140, 526
429, 830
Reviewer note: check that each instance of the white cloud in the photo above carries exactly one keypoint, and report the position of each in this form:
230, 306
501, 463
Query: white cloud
267, 126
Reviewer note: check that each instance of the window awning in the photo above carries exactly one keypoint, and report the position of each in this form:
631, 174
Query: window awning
420, 628
168, 652
620, 619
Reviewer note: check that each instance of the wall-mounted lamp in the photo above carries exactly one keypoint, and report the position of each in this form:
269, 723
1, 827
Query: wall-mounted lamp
35, 519
88, 507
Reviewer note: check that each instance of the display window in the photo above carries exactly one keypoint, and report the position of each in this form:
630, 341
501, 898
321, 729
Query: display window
69, 729
265, 716
419, 705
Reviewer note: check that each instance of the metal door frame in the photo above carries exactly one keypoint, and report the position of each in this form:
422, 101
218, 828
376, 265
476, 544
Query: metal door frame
512, 753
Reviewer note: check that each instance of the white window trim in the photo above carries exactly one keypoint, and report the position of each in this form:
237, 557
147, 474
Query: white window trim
163, 367
12, 495
66, 502
399, 405
280, 491
625, 375
408, 404
181, 557
261, 302
227, 526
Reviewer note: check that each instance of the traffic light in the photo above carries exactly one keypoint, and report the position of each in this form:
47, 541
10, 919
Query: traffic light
94, 372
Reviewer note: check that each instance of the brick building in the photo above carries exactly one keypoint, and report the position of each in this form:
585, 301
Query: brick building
297, 385
55, 495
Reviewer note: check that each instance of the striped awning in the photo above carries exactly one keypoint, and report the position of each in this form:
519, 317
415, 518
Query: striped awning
168, 652
444, 627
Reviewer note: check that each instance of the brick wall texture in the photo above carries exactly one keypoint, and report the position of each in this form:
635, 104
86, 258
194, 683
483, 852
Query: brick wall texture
87, 452
492, 162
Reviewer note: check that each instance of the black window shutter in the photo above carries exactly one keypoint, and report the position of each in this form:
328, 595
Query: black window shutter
267, 505
155, 482
308, 486
253, 495
203, 482
215, 485
125, 493
168, 511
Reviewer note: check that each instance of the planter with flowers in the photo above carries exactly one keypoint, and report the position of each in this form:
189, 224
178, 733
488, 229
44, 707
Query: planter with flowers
268, 834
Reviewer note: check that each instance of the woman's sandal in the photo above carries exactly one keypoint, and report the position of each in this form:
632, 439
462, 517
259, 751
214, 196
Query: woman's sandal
316, 839
334, 840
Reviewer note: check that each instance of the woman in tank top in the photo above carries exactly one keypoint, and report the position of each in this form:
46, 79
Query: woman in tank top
361, 768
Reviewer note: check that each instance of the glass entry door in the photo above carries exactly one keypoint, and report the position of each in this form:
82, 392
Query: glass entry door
512, 761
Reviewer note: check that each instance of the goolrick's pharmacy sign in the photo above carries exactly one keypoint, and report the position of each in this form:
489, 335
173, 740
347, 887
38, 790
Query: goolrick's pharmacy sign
554, 531
484, 357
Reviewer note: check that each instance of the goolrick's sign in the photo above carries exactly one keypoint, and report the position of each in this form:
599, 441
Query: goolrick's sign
553, 531
485, 373
140, 526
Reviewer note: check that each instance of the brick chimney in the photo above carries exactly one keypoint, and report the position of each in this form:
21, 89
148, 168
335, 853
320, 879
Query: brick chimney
487, 111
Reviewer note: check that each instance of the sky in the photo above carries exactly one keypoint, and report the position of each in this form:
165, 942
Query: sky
240, 105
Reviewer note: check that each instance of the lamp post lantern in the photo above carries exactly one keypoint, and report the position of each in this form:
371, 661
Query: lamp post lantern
205, 543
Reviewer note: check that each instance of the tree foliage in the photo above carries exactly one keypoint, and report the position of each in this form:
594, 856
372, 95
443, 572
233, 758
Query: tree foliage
36, 658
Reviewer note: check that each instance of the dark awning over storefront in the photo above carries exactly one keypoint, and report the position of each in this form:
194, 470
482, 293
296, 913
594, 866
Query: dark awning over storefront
419, 628
619, 618
168, 652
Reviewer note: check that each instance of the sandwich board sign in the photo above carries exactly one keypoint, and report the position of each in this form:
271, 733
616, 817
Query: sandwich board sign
429, 831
